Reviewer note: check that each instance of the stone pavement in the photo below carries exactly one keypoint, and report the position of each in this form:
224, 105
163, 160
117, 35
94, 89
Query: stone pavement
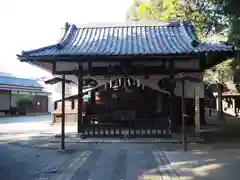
126, 161
117, 164
100, 162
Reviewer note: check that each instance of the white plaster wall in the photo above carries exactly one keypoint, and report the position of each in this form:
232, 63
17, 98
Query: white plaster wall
63, 66
189, 89
190, 86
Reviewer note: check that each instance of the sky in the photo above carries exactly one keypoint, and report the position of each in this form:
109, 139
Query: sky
29, 24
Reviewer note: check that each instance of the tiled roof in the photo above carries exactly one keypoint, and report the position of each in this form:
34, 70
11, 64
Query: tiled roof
5, 80
136, 38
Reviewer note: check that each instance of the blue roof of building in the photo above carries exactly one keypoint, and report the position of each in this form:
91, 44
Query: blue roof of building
5, 80
135, 38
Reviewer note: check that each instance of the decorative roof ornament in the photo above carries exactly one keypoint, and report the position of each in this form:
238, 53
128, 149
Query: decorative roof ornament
68, 35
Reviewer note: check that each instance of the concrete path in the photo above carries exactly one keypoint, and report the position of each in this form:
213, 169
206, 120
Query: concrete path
25, 119
126, 161
99, 162
117, 162
28, 151
123, 161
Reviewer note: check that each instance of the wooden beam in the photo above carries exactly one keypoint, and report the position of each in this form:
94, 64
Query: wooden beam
70, 72
118, 70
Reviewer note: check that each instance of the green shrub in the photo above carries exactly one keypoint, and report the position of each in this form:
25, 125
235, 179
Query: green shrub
24, 103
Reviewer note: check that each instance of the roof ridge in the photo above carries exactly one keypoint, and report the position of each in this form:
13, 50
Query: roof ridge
173, 23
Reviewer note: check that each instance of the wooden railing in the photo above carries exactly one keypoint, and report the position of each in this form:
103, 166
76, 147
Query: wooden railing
106, 125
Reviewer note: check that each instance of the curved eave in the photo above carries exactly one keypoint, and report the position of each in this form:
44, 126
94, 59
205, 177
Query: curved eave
138, 57
97, 58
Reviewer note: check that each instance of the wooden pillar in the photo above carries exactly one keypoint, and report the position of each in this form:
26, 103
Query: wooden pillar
184, 137
63, 114
10, 99
159, 102
171, 95
80, 99
220, 103
197, 111
93, 98
106, 86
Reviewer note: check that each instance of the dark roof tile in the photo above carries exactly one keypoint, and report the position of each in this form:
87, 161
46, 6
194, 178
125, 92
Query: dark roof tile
136, 38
